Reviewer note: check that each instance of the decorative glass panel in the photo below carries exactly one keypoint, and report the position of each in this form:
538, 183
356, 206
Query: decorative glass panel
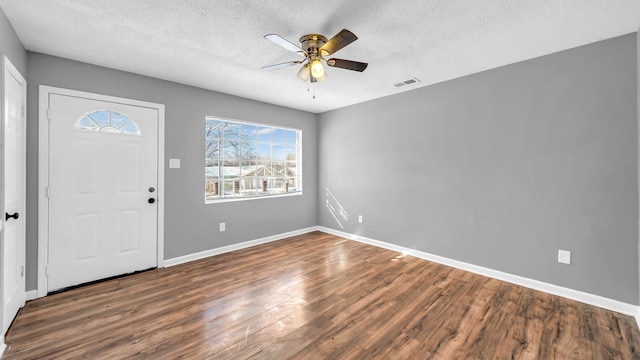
106, 121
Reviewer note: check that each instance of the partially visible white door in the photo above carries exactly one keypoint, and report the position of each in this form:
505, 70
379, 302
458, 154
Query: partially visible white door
103, 179
13, 244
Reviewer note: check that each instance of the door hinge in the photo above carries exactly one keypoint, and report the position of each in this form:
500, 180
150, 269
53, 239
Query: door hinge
47, 192
46, 270
22, 271
23, 111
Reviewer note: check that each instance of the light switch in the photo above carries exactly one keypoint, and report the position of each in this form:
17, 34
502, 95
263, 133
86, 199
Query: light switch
174, 163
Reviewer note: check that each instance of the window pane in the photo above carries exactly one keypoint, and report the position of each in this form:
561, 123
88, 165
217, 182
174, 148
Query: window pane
292, 170
264, 151
230, 169
279, 186
212, 188
278, 136
212, 148
259, 170
248, 168
248, 150
277, 152
248, 186
291, 152
130, 128
249, 132
88, 124
278, 169
292, 181
231, 131
264, 134
212, 169
231, 187
118, 120
213, 129
100, 117
232, 149
291, 137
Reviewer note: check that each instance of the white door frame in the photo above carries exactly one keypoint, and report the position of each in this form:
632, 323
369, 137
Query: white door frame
43, 173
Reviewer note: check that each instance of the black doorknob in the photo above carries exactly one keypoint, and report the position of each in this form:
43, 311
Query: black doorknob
14, 216
151, 200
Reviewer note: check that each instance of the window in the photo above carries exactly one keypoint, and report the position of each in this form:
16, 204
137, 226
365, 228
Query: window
105, 121
249, 160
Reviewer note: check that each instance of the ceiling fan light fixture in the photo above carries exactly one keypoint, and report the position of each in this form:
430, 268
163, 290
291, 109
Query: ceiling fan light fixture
304, 73
319, 79
316, 69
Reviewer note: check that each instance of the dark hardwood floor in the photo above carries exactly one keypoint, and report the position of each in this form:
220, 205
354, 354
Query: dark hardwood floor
315, 296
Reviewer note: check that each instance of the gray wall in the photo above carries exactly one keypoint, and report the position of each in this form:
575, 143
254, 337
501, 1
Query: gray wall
11, 46
500, 169
190, 225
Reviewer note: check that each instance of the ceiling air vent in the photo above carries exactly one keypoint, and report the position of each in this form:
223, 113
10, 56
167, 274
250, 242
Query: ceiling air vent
407, 82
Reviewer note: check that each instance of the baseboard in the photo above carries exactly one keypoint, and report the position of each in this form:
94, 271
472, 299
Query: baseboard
30, 295
234, 247
587, 298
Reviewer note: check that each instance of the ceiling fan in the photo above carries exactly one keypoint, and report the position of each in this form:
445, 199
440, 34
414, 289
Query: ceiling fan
314, 48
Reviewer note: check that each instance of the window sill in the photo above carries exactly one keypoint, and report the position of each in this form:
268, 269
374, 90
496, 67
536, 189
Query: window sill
224, 200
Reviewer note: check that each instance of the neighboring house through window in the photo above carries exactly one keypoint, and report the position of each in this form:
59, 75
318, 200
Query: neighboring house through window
250, 160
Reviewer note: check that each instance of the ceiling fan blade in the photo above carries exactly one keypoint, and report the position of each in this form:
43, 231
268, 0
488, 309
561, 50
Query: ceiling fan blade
279, 40
281, 65
342, 39
347, 64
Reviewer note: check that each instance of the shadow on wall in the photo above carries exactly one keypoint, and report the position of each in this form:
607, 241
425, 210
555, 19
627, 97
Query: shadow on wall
336, 210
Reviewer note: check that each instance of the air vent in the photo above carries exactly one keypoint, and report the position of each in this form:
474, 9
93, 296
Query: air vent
407, 82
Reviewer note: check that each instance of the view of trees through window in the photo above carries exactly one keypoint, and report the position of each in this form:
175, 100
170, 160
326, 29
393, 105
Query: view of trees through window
250, 160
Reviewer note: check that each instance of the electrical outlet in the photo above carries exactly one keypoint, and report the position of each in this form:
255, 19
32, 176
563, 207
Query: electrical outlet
222, 227
564, 256
174, 163
360, 219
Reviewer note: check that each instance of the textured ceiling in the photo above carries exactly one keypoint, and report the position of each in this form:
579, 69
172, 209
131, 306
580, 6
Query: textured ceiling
219, 45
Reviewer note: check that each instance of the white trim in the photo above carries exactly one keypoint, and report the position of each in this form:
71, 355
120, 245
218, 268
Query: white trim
576, 295
233, 247
231, 199
638, 148
2, 346
43, 173
31, 295
43, 183
160, 190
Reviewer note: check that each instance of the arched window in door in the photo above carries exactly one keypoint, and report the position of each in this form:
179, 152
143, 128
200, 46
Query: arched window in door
107, 121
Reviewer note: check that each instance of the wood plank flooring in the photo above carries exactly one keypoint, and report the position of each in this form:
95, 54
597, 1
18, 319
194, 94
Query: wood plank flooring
315, 296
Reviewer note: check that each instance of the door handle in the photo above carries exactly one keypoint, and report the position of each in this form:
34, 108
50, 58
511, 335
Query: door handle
151, 200
14, 216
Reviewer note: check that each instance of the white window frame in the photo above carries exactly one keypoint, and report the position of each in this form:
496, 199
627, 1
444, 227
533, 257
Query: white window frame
258, 195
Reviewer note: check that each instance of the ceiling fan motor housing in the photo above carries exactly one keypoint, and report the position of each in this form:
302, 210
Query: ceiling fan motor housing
311, 43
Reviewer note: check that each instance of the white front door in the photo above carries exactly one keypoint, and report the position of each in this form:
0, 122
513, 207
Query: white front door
103, 180
13, 244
